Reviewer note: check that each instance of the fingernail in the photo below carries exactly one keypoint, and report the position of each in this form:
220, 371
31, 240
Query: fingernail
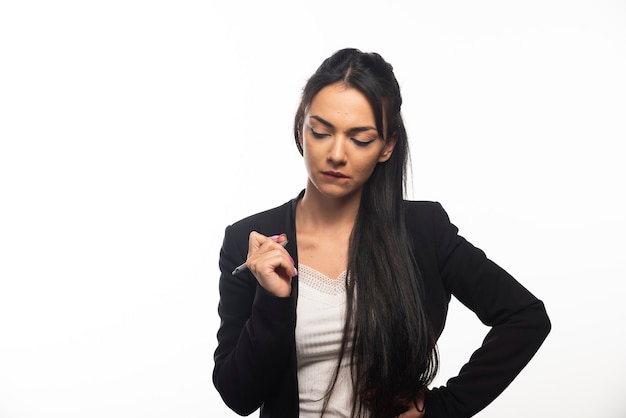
292, 262
274, 237
295, 272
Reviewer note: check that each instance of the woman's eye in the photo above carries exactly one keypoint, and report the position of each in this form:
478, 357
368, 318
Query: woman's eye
318, 134
360, 143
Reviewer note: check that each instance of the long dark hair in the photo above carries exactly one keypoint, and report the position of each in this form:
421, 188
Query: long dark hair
392, 348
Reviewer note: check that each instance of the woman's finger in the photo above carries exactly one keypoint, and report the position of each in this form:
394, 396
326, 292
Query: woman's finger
270, 263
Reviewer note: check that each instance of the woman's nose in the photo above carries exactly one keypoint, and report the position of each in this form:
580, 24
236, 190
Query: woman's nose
337, 152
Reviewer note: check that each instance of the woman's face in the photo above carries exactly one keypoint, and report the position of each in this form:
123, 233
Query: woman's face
340, 143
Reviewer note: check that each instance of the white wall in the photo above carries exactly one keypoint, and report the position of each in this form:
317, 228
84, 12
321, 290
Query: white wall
133, 132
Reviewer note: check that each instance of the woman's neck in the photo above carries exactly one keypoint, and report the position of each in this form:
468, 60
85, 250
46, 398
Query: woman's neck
316, 211
324, 227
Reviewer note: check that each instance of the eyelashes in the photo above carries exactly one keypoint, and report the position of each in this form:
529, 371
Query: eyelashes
318, 135
362, 143
357, 142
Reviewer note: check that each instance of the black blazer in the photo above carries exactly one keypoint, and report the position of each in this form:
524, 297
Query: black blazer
255, 359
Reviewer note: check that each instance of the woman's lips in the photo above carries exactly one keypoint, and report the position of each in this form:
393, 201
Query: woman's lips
335, 174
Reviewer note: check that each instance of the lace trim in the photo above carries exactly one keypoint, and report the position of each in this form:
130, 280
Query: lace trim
320, 281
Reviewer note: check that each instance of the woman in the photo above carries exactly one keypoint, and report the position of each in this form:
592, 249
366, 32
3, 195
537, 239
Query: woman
347, 285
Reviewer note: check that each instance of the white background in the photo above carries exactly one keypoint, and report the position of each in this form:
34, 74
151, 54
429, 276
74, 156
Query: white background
133, 132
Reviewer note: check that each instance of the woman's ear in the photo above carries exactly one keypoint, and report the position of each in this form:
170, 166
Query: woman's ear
388, 149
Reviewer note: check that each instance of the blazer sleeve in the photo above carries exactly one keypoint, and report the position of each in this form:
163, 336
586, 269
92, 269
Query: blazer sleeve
518, 320
256, 332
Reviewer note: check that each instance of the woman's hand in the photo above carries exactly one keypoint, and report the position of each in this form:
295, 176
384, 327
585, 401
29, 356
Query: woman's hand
415, 408
270, 263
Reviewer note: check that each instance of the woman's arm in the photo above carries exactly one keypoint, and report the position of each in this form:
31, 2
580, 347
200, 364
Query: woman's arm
518, 320
256, 334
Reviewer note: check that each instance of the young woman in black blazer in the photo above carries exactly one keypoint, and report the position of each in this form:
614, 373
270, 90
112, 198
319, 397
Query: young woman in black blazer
345, 288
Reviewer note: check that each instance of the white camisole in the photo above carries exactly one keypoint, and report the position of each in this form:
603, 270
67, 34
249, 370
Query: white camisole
319, 328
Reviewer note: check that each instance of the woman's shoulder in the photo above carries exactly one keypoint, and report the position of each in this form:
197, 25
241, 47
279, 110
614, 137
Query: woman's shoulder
428, 217
262, 217
274, 220
423, 208
266, 214
422, 204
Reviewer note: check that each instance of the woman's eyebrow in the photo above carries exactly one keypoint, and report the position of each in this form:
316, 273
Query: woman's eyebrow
322, 121
356, 129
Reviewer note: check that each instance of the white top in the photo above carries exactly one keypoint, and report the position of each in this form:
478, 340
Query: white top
319, 328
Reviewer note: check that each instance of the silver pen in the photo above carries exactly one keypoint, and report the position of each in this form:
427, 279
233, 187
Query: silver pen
243, 266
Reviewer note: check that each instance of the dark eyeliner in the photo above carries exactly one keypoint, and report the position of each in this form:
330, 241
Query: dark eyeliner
362, 143
317, 134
